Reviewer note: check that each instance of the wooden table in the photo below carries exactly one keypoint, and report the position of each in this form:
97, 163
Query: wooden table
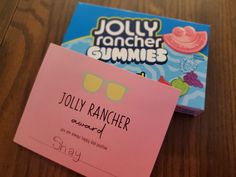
194, 147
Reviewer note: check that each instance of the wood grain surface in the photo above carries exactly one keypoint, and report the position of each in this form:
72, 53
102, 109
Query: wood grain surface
194, 147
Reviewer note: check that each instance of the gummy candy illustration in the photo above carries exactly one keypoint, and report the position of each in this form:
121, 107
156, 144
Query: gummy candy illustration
192, 79
162, 80
141, 74
186, 40
188, 65
181, 85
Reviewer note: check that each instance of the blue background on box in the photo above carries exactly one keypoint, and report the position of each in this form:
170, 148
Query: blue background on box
85, 19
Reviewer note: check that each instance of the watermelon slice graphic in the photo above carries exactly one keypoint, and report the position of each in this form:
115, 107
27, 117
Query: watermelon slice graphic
186, 40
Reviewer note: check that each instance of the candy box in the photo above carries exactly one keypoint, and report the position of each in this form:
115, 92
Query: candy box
170, 51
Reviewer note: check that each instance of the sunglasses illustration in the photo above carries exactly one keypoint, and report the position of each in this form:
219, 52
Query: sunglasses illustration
114, 91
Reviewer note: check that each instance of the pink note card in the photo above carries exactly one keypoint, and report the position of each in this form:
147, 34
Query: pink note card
96, 119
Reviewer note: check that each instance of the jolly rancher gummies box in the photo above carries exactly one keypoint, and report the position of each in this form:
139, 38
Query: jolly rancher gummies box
170, 51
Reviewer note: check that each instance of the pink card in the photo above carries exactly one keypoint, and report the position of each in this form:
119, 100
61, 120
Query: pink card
95, 119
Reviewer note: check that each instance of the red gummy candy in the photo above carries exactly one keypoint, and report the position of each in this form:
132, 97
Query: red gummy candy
186, 40
162, 80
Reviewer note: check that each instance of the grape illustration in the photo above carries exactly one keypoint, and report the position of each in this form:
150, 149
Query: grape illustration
192, 79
